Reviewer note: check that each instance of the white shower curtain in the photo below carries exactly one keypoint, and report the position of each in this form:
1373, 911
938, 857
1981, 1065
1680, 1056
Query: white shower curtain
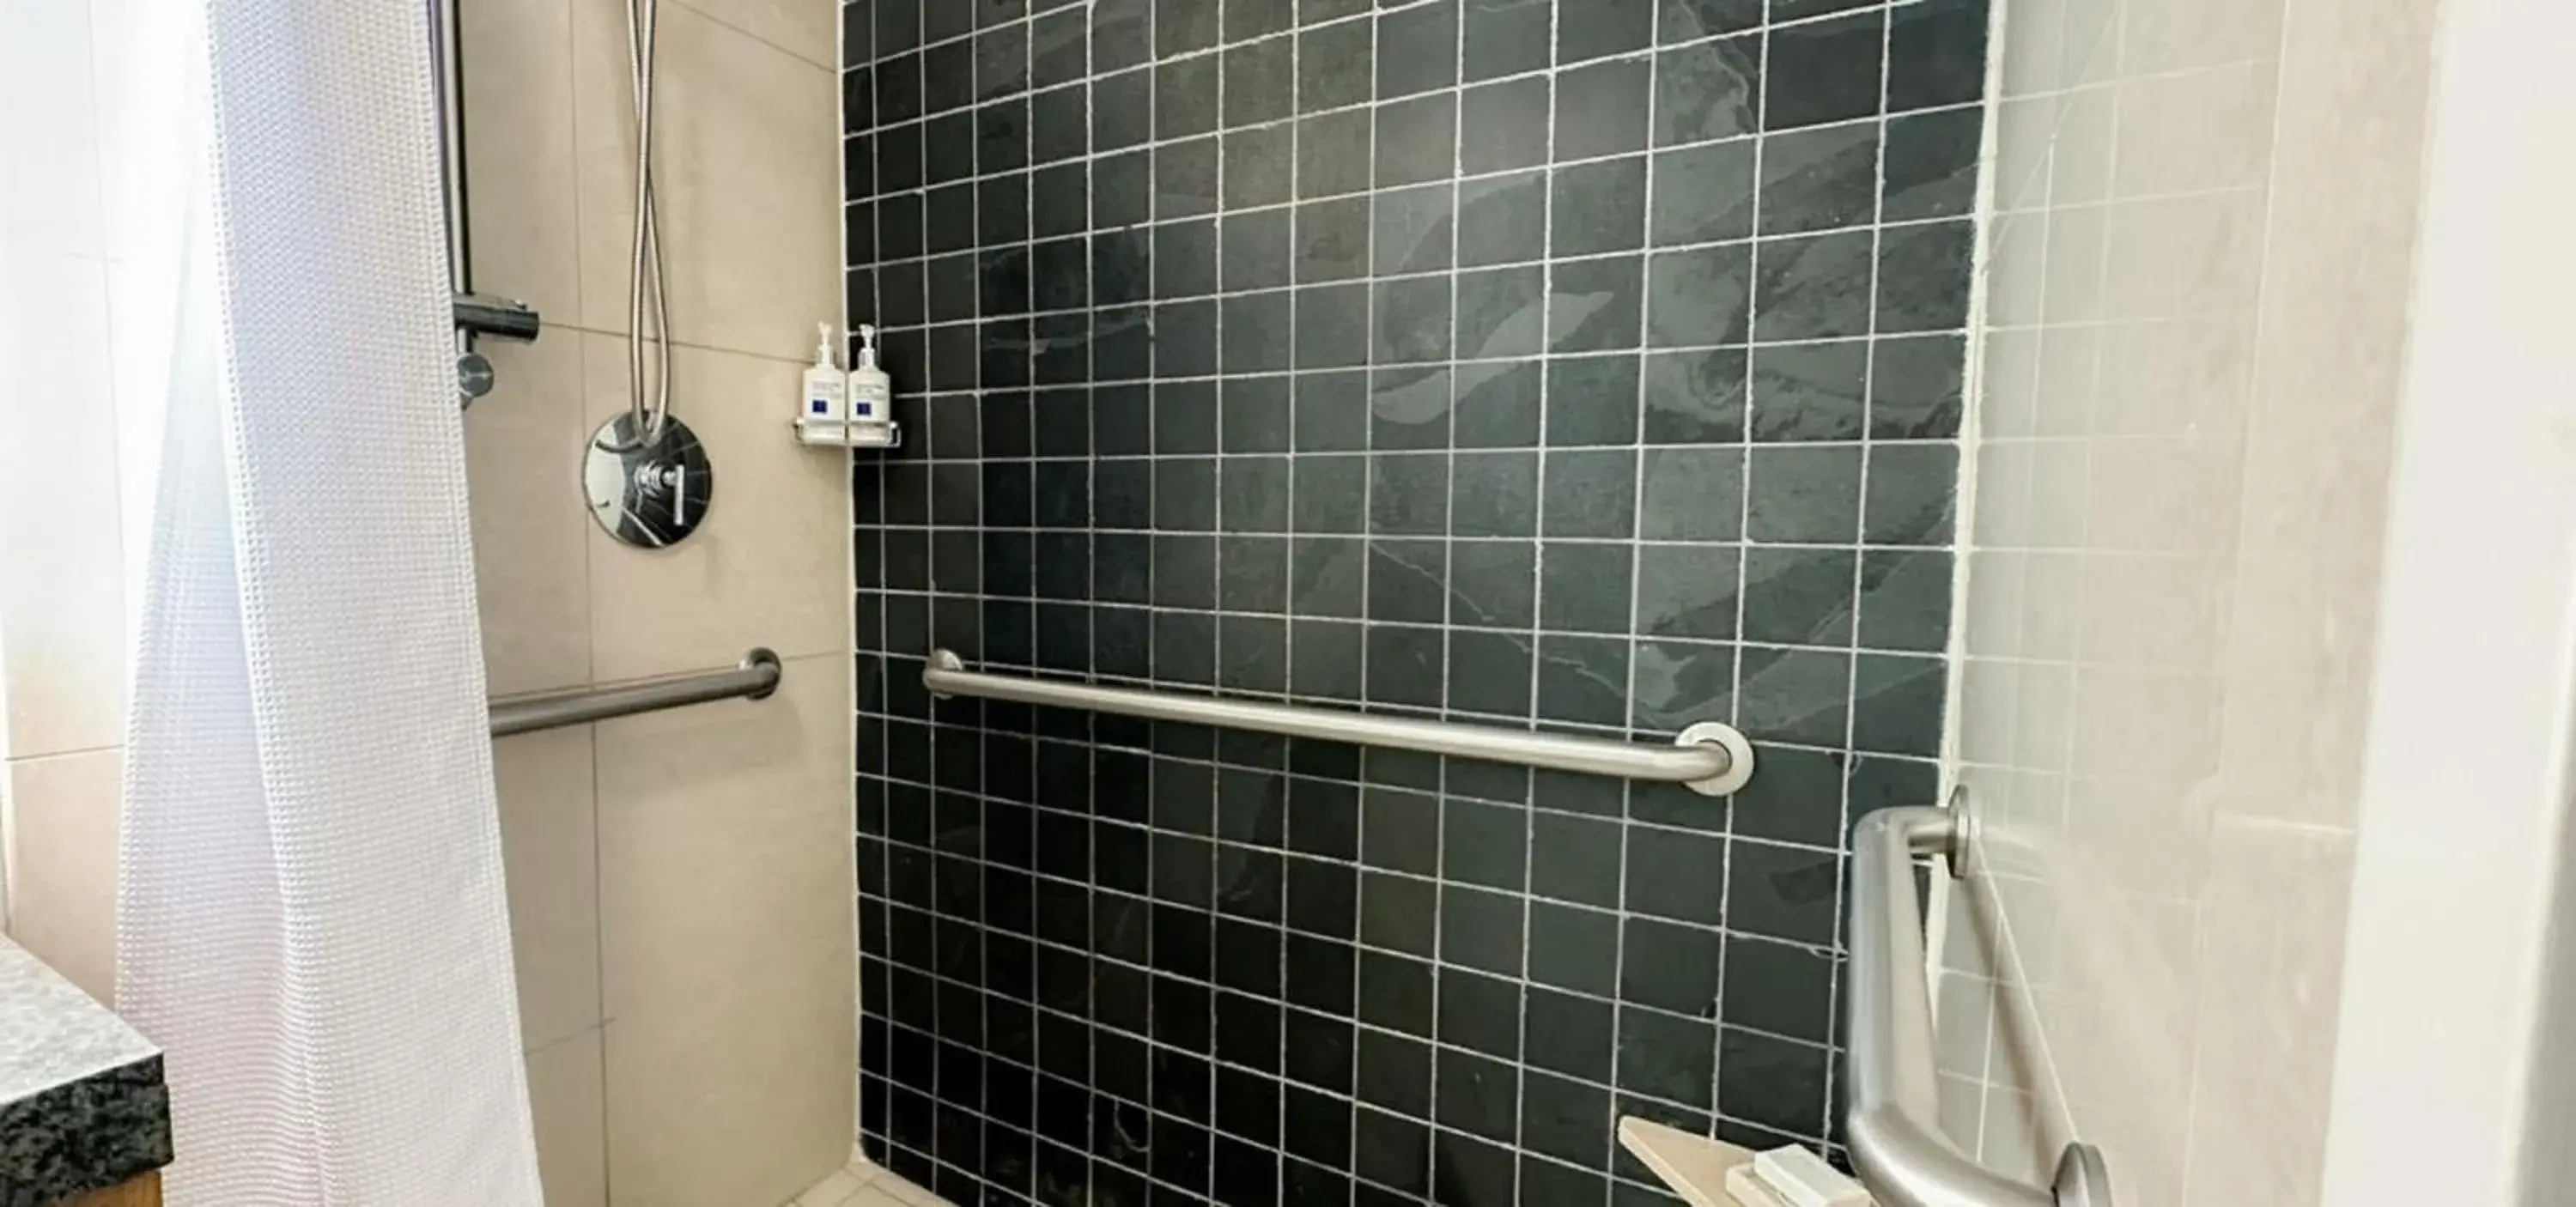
312, 921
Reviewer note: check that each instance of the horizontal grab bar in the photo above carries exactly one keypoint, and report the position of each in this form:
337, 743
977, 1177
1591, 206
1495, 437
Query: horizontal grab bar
1894, 1126
1712, 759
754, 680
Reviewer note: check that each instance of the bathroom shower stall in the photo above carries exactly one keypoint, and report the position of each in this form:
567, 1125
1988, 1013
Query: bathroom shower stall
1478, 602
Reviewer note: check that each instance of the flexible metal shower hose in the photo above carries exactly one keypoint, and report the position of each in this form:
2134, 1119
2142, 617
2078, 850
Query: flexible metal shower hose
645, 296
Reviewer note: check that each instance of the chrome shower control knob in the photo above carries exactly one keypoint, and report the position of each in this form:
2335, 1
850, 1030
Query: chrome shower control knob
650, 494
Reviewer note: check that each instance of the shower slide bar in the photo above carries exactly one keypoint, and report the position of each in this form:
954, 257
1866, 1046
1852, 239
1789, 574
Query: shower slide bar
1710, 758
755, 679
475, 314
1894, 1127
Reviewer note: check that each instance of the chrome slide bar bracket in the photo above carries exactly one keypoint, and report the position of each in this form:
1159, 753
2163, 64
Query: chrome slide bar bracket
1710, 758
1893, 1124
755, 679
484, 314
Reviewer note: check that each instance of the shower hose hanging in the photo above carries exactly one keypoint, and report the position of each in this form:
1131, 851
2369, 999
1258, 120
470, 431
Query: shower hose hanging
647, 477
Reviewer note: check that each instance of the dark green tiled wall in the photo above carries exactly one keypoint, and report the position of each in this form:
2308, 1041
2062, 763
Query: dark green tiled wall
1592, 365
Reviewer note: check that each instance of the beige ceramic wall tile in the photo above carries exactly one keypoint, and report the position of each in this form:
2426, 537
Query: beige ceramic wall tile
519, 153
2021, 178
549, 844
770, 567
1963, 1015
808, 29
2184, 257
2197, 131
2178, 378
2081, 150
2176, 35
747, 169
565, 1090
2072, 280
2009, 362
2070, 357
62, 620
523, 444
2161, 709
726, 905
2151, 610
2034, 48
2010, 1138
61, 845
2017, 263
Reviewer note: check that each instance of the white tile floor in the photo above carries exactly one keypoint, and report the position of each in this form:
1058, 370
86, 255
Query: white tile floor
861, 1184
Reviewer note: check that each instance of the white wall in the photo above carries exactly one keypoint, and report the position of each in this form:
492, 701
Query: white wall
2455, 1074
2196, 288
680, 884
66, 303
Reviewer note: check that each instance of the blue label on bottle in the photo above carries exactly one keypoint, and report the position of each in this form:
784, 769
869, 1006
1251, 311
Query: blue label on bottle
818, 407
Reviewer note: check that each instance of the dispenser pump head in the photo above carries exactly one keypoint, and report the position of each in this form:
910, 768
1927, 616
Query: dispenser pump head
823, 346
867, 346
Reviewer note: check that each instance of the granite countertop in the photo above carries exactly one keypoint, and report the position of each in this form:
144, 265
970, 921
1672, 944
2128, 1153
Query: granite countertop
82, 1104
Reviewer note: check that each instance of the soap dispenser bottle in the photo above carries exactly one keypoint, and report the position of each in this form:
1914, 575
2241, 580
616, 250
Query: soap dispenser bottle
871, 391
826, 387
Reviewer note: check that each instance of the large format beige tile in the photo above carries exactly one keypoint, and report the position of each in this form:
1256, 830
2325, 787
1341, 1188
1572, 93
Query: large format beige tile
523, 445
2175, 35
747, 171
2184, 257
2207, 129
770, 567
565, 1097
60, 816
62, 621
2033, 50
726, 921
519, 153
808, 29
2091, 52
549, 844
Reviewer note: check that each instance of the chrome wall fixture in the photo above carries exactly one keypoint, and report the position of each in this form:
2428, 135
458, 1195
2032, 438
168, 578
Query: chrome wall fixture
1893, 1125
755, 679
1710, 758
475, 314
650, 491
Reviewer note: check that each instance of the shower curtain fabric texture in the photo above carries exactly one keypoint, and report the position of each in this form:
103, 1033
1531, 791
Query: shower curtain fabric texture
312, 921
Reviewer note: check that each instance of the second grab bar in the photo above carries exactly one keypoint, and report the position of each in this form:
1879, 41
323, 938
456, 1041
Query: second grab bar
1894, 1125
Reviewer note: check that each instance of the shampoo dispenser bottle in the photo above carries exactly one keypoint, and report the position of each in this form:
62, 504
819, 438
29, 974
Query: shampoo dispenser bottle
871, 392
826, 387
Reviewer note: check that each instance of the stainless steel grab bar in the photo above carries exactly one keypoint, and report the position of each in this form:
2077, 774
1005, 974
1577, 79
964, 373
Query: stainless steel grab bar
1894, 1126
754, 680
1710, 758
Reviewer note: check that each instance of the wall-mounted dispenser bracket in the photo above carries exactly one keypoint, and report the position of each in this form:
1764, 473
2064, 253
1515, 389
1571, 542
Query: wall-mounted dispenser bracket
842, 433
